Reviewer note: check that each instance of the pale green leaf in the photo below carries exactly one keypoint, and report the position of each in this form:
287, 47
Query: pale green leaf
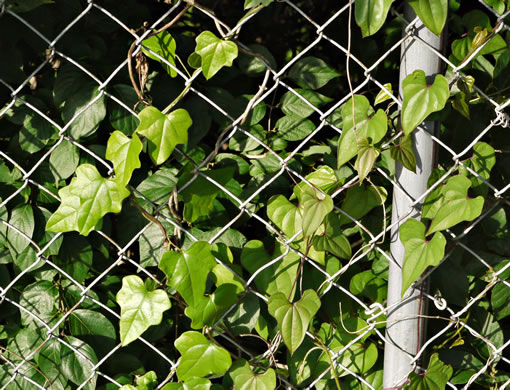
191, 384
422, 98
254, 3
456, 206
123, 152
311, 73
163, 44
85, 201
419, 252
367, 155
215, 52
294, 318
323, 178
245, 379
139, 308
316, 207
187, 270
382, 96
200, 356
279, 276
432, 13
366, 123
371, 14
163, 132
284, 214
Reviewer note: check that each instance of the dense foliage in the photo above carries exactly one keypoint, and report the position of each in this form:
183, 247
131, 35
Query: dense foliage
227, 223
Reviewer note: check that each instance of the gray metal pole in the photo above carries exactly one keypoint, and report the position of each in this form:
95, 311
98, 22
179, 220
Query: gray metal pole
404, 332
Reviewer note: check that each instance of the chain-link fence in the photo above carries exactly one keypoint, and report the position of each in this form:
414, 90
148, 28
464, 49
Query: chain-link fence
463, 309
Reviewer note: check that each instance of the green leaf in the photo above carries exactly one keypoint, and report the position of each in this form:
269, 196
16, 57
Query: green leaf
245, 379
435, 378
215, 52
253, 66
187, 270
49, 361
208, 310
64, 160
75, 257
382, 96
419, 252
159, 186
254, 3
123, 152
312, 73
139, 308
191, 384
87, 122
27, 5
404, 153
316, 207
85, 201
277, 277
323, 178
456, 205
293, 104
200, 356
367, 155
432, 13
93, 328
120, 118
163, 132
148, 381
22, 218
35, 133
78, 367
368, 125
422, 98
164, 45
360, 200
292, 128
40, 299
284, 214
294, 318
331, 239
244, 317
371, 15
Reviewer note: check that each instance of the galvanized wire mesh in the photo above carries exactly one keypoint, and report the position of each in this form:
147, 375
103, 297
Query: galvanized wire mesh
446, 317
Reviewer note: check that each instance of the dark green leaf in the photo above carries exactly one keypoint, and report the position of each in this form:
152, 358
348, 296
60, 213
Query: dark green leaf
78, 366
299, 103
404, 153
163, 45
311, 73
371, 15
435, 378
293, 128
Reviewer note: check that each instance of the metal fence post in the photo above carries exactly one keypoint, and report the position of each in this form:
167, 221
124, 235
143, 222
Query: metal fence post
405, 329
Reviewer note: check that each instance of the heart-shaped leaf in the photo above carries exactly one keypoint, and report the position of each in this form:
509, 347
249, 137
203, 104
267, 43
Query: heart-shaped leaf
293, 318
215, 52
332, 238
191, 384
367, 154
245, 379
432, 13
139, 308
200, 356
456, 205
422, 98
323, 178
404, 153
371, 14
312, 73
284, 214
187, 270
315, 208
419, 252
85, 201
123, 152
301, 102
365, 123
163, 132
435, 378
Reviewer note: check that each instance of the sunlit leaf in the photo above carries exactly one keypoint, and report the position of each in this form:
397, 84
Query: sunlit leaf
215, 52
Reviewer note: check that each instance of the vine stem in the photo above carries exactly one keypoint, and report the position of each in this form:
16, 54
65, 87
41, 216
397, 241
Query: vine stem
133, 46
